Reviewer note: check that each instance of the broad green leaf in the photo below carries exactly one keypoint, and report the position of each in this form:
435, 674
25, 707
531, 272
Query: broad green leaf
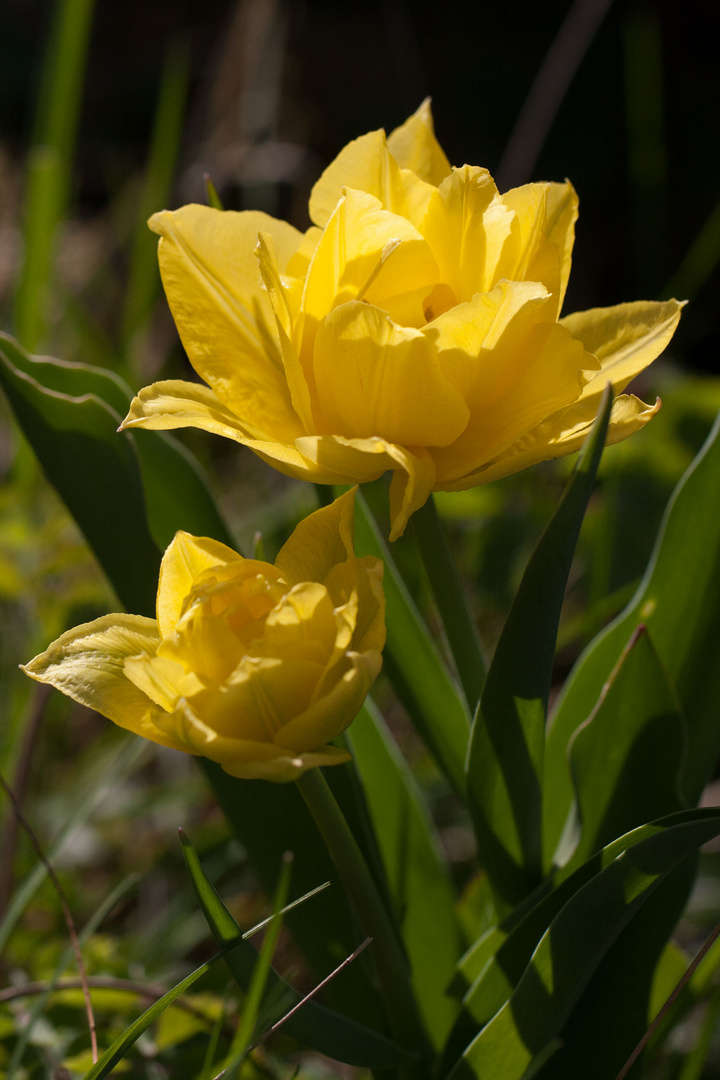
679, 602
626, 758
575, 943
421, 889
505, 755
413, 662
313, 1024
76, 442
176, 490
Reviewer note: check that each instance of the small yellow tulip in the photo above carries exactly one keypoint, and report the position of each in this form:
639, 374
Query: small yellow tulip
414, 327
252, 665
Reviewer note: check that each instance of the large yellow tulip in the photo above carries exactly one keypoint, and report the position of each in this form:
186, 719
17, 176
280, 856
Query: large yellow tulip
415, 327
252, 665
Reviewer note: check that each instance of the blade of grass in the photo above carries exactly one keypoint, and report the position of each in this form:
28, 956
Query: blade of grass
144, 277
50, 161
258, 983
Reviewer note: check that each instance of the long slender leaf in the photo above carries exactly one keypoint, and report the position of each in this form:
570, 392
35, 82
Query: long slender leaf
413, 662
422, 891
70, 413
625, 759
314, 1025
505, 756
575, 943
679, 602
76, 442
50, 161
260, 975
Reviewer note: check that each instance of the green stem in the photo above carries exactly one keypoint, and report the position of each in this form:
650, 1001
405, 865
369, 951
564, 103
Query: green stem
364, 897
451, 599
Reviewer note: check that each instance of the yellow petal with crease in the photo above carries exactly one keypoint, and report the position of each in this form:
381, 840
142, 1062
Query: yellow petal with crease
319, 542
466, 227
173, 403
539, 246
561, 434
87, 663
625, 339
414, 147
223, 314
375, 378
184, 561
526, 370
365, 253
366, 164
332, 713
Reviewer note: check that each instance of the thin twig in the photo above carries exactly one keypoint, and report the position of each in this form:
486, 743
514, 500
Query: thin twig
317, 989
19, 785
65, 909
670, 1001
348, 960
548, 90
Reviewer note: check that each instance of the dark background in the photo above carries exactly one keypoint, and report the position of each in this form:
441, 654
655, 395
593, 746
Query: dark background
636, 132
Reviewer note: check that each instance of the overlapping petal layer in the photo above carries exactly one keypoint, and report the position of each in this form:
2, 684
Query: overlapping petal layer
414, 327
253, 665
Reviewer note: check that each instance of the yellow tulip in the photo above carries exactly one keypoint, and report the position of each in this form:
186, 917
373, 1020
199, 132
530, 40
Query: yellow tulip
252, 665
414, 327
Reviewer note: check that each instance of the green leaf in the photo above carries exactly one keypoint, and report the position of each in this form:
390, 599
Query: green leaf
76, 442
51, 160
413, 662
505, 756
576, 941
70, 414
116, 1052
313, 1024
679, 602
626, 758
421, 889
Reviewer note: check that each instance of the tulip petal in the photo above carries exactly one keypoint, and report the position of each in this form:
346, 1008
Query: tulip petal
222, 313
539, 247
414, 147
319, 542
334, 710
366, 164
366, 253
375, 378
625, 339
527, 369
186, 558
286, 317
246, 758
561, 434
174, 403
362, 579
466, 226
87, 663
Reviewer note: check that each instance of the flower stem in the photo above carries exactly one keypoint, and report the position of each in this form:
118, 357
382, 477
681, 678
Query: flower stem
451, 599
363, 895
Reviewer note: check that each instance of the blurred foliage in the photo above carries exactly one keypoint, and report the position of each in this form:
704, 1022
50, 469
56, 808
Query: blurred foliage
110, 113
